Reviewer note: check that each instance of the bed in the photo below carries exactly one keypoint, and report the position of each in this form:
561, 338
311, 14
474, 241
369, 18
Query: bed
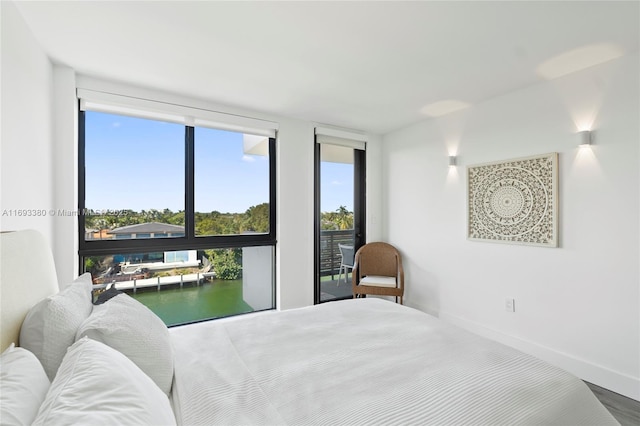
362, 361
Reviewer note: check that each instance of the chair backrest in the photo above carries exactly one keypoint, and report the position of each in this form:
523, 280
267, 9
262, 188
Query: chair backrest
347, 253
378, 259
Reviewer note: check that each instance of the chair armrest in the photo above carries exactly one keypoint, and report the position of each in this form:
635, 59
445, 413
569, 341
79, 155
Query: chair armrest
355, 275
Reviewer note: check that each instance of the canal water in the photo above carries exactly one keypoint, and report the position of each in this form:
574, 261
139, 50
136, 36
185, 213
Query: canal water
214, 299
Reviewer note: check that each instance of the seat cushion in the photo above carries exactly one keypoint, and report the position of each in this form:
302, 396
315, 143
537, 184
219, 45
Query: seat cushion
378, 281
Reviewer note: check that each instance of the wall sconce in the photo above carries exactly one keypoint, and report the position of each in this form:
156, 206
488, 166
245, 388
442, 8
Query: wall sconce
585, 138
452, 161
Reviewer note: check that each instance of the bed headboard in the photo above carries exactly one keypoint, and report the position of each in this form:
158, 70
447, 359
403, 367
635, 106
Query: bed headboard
27, 275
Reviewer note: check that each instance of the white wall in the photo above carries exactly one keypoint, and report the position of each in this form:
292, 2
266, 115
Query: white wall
577, 305
294, 252
257, 264
65, 168
26, 137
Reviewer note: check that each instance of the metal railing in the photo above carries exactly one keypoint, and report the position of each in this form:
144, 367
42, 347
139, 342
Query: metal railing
329, 251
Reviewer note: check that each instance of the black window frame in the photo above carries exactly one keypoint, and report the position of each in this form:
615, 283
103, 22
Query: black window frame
359, 208
189, 241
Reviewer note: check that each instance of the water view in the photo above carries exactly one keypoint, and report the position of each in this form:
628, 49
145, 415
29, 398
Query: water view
213, 299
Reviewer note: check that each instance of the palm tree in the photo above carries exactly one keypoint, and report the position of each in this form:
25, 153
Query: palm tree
344, 218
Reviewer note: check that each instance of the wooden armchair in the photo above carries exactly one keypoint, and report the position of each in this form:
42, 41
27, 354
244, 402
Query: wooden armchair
377, 270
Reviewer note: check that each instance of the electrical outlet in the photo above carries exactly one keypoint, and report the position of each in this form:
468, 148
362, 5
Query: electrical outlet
510, 305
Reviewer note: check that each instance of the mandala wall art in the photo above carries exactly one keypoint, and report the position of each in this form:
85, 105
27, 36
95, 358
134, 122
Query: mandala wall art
514, 201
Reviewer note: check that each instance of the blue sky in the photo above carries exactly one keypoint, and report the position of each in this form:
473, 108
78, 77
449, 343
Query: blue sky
138, 164
336, 187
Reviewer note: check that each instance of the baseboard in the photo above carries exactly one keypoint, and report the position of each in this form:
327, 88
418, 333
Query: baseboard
615, 381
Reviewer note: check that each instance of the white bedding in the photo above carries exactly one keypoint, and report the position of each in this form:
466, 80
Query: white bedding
365, 361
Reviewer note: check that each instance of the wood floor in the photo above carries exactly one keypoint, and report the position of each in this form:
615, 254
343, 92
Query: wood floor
625, 410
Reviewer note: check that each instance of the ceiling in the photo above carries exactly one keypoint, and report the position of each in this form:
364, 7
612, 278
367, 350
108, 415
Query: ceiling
369, 66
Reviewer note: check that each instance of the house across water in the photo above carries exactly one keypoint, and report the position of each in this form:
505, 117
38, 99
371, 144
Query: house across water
127, 266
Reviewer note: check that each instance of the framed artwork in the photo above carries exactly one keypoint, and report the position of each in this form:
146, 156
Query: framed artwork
514, 201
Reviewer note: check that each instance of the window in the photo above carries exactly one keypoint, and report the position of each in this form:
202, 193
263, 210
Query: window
134, 176
231, 175
178, 256
181, 217
340, 179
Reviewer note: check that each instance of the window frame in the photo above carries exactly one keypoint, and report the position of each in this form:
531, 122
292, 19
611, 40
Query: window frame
359, 209
189, 241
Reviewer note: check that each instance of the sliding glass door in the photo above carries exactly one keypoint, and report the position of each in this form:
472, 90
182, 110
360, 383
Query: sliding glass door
339, 216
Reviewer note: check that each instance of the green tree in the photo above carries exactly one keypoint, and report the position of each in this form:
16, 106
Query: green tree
256, 219
344, 218
340, 219
226, 264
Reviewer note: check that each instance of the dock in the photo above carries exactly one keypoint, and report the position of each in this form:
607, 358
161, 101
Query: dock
159, 282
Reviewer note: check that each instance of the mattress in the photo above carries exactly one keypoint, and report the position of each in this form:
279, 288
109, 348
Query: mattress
365, 361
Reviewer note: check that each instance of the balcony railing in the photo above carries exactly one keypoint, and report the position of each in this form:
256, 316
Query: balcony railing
329, 251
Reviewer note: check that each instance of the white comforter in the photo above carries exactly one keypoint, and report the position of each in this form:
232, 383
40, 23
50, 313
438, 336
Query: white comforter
365, 361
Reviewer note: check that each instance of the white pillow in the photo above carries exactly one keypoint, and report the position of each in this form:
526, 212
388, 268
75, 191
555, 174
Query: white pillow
23, 386
133, 329
50, 326
98, 385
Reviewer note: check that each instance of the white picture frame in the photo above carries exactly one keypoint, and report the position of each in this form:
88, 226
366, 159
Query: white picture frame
514, 201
